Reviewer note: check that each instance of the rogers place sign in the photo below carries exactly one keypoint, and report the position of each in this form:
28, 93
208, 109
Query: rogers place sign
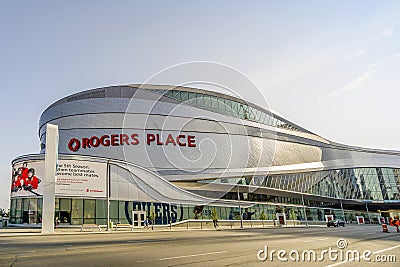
122, 139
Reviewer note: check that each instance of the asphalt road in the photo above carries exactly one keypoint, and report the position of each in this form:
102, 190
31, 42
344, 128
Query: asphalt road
237, 247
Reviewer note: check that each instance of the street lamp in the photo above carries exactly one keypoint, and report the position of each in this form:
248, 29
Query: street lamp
240, 208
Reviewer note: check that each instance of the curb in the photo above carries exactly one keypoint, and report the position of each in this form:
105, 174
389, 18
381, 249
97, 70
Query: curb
38, 233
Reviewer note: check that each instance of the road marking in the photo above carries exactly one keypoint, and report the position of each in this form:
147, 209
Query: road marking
149, 240
193, 255
368, 233
321, 239
386, 249
362, 257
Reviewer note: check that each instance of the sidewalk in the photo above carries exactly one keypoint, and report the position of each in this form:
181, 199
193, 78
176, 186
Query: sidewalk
19, 231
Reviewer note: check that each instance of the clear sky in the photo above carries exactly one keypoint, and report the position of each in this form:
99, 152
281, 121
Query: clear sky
332, 67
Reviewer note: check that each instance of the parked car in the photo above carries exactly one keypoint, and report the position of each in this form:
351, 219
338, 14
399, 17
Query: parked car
336, 223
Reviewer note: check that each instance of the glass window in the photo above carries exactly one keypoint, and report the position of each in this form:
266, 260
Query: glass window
200, 100
221, 104
191, 95
18, 211
208, 102
114, 211
25, 204
184, 96
25, 210
235, 107
77, 211
101, 211
226, 107
101, 208
214, 101
32, 211
65, 210
122, 216
65, 204
252, 115
40, 205
262, 117
176, 94
89, 211
57, 204
228, 104
13, 208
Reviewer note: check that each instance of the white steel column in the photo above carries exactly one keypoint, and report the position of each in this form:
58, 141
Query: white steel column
304, 209
49, 183
108, 195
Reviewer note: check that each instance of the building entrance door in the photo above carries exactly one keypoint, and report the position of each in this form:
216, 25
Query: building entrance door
138, 217
281, 218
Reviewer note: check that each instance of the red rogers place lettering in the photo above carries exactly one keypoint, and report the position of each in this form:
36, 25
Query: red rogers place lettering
106, 140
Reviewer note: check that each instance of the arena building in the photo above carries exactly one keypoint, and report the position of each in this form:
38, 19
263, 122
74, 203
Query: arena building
181, 152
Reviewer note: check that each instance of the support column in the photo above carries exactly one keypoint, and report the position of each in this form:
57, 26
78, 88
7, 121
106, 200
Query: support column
240, 208
49, 189
108, 195
341, 206
304, 209
369, 217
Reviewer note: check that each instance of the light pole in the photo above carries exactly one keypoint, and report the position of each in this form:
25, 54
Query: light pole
49, 183
369, 217
108, 196
304, 209
170, 217
240, 208
341, 206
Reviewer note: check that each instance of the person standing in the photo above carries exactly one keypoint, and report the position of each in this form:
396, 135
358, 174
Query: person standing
56, 222
24, 169
31, 182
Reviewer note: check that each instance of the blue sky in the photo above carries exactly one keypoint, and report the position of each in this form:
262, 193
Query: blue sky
330, 66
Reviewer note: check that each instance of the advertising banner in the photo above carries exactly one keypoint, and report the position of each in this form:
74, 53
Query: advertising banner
27, 179
81, 178
329, 218
360, 220
74, 178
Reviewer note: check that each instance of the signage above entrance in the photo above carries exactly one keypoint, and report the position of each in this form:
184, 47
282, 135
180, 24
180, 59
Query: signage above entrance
122, 139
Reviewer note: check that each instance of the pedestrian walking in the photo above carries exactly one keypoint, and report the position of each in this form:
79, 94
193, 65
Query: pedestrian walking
56, 222
146, 223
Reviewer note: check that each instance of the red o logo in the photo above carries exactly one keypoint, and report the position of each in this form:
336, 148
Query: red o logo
74, 144
94, 141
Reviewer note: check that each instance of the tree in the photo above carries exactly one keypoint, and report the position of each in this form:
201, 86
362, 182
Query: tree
152, 217
263, 217
4, 212
198, 212
292, 216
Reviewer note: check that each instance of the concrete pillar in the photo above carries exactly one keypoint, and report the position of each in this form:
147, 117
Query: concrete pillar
49, 182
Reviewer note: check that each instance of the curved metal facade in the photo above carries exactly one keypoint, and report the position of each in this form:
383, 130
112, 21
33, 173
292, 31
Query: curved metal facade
219, 143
